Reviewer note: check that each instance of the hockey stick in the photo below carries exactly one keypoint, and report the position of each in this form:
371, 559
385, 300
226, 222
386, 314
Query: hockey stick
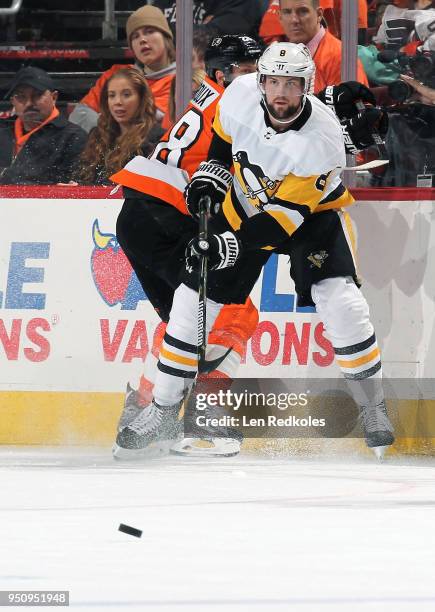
185, 447
376, 163
204, 366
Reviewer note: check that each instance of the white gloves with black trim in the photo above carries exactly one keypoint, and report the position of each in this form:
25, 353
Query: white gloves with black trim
221, 250
211, 179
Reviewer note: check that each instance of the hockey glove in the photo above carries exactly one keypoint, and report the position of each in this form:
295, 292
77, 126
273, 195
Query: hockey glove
358, 131
211, 179
342, 98
222, 251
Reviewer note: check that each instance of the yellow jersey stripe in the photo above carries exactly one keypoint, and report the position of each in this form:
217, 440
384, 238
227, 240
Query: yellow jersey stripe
177, 358
354, 363
230, 212
346, 199
217, 126
350, 232
300, 190
284, 221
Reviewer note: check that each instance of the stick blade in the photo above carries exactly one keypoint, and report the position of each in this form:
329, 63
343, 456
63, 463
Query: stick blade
376, 163
205, 367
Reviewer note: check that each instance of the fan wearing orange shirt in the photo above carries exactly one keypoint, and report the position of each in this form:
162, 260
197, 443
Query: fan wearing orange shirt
151, 40
300, 21
271, 28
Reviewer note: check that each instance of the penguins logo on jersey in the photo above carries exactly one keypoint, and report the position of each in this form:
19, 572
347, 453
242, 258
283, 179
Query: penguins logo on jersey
318, 259
256, 186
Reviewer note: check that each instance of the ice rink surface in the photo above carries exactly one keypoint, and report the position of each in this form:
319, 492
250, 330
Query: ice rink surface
250, 533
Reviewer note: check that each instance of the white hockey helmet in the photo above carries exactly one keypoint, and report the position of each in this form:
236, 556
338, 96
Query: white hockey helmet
286, 59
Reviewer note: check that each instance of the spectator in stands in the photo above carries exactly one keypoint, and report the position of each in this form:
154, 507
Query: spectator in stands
399, 30
40, 146
302, 22
271, 28
151, 41
398, 23
126, 127
219, 16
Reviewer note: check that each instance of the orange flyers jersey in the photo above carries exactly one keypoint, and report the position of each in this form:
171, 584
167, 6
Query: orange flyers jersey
181, 150
186, 144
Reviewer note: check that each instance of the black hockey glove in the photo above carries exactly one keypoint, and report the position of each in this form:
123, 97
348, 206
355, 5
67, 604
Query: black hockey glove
342, 98
358, 131
222, 251
211, 179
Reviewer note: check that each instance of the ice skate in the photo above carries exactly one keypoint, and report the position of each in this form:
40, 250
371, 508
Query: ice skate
152, 432
211, 441
207, 447
131, 408
377, 428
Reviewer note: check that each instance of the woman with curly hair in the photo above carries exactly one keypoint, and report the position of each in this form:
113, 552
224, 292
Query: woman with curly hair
126, 127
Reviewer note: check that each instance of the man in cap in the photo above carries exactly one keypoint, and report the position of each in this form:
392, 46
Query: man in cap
38, 146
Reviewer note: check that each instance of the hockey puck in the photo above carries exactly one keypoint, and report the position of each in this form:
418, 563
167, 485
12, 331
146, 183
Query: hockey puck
137, 533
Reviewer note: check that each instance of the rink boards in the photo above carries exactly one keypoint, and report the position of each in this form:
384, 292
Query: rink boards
75, 325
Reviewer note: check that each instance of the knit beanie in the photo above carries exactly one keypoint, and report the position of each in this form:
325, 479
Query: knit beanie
148, 16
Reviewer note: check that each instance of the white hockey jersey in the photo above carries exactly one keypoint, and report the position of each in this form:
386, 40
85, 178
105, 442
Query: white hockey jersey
288, 174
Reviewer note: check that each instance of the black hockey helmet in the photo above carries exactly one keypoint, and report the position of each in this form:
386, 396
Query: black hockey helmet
224, 52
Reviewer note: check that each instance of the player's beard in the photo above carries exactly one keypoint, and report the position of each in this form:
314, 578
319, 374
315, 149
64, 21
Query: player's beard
284, 113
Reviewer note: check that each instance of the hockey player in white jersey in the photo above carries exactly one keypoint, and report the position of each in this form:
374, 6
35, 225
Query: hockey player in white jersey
288, 152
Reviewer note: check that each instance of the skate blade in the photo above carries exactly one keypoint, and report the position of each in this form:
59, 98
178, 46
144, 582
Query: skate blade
379, 452
157, 449
195, 447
